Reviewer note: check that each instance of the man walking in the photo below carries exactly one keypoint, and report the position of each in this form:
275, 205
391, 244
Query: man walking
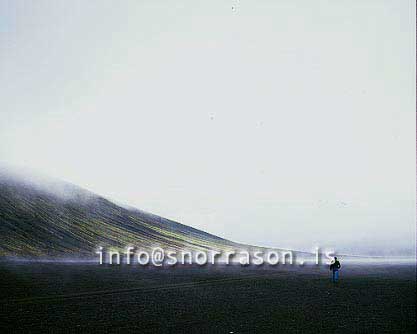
334, 267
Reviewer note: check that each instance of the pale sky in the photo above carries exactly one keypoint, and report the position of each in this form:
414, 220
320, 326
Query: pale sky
277, 123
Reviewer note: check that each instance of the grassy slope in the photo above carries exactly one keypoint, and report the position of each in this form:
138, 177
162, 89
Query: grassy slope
62, 220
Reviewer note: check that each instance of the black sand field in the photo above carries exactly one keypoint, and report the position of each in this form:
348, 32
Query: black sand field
51, 297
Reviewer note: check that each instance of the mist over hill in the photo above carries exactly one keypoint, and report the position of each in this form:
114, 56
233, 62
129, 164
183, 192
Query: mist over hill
41, 217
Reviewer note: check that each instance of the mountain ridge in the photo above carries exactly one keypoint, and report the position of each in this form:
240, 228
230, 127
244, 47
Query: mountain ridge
42, 217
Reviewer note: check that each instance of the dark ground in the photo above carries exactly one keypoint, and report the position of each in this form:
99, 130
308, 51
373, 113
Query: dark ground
92, 298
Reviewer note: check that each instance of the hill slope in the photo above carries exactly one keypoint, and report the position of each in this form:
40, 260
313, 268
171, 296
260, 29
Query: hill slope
48, 218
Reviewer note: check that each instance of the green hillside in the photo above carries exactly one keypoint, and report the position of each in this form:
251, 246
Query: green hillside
51, 218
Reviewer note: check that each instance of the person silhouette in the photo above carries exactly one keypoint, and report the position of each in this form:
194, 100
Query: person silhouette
334, 267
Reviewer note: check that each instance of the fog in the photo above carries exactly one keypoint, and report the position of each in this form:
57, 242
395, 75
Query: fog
274, 123
30, 181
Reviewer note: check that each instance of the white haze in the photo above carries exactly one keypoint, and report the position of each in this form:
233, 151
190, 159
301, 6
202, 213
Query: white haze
276, 123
